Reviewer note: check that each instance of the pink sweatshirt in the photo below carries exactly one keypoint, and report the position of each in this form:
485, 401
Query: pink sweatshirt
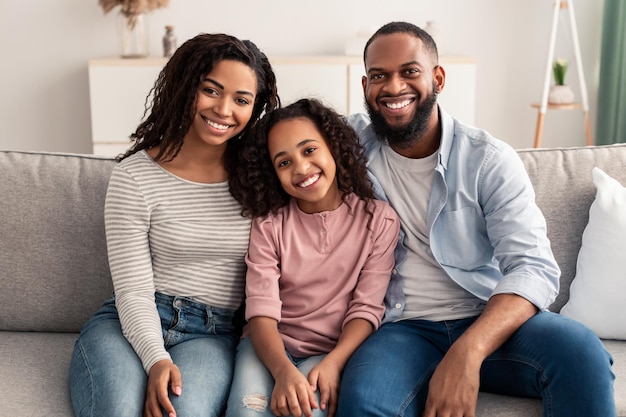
315, 272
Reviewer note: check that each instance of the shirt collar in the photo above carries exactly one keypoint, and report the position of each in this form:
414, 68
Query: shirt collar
447, 137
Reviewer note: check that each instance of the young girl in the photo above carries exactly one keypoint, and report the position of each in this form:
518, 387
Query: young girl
319, 261
165, 343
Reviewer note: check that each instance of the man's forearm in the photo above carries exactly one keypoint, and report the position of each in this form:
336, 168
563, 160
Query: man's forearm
502, 316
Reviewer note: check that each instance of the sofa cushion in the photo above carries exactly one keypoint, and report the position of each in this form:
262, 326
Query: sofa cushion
35, 372
564, 192
54, 254
598, 292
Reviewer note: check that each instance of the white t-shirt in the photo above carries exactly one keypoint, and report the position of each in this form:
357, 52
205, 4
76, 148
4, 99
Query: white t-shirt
430, 293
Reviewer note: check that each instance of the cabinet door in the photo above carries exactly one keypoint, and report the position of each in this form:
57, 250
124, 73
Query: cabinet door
357, 96
327, 82
117, 97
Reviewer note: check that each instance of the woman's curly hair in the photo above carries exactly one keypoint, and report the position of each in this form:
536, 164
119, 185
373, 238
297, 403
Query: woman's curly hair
256, 184
171, 104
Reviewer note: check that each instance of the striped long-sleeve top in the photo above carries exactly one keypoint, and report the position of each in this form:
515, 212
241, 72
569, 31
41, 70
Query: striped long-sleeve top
172, 236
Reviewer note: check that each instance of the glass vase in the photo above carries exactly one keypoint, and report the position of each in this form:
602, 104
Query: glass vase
133, 35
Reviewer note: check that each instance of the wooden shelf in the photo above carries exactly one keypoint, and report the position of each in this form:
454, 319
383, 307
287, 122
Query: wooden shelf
545, 105
552, 106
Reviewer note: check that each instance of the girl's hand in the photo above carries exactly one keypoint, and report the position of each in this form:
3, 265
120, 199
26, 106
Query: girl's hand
163, 374
325, 376
292, 394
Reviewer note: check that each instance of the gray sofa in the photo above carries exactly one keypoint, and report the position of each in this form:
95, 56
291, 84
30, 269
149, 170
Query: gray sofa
54, 272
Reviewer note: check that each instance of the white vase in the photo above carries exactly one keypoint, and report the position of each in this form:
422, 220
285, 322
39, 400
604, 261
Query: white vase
133, 35
560, 94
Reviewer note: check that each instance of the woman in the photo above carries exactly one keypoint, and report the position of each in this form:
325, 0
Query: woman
165, 343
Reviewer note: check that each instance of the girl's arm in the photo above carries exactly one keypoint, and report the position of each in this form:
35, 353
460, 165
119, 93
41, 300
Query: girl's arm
327, 374
292, 394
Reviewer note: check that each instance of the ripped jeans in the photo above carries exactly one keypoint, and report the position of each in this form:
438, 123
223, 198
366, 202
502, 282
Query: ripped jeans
253, 383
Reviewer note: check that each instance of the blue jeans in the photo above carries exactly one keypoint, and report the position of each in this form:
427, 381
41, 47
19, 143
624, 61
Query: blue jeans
549, 357
108, 379
252, 387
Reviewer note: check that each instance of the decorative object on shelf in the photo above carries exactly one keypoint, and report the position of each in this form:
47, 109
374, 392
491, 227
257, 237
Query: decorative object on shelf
560, 93
169, 42
547, 102
132, 25
132, 32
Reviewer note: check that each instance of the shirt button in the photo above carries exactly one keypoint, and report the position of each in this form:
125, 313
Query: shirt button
394, 271
398, 305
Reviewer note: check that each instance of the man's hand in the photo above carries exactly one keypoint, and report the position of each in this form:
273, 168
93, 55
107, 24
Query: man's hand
453, 388
163, 375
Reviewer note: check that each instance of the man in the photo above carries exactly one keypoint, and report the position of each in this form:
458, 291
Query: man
474, 276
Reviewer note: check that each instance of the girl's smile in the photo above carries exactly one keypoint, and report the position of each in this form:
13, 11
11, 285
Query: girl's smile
309, 181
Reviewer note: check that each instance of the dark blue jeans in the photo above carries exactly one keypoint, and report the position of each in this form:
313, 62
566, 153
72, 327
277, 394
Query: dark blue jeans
550, 357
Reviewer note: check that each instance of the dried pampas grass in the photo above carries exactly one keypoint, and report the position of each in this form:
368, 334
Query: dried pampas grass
132, 7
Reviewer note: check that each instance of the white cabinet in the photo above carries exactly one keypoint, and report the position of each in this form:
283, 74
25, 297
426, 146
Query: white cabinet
118, 90
117, 93
325, 78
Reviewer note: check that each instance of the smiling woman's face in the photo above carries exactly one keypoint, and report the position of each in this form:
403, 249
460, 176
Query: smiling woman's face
224, 103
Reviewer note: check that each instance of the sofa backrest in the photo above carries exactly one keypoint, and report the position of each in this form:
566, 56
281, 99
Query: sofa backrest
564, 191
54, 271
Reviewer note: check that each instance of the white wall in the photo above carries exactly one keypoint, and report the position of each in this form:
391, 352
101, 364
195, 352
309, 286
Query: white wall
45, 46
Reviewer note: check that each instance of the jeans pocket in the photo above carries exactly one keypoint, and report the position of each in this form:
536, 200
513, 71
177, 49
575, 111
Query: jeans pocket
169, 315
220, 321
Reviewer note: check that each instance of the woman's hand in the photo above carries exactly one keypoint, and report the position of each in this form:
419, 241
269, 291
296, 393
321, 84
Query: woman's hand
163, 375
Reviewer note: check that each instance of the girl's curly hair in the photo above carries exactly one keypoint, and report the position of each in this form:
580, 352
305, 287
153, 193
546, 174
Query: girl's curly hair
255, 182
171, 104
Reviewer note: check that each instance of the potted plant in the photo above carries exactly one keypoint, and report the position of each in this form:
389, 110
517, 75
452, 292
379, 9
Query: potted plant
560, 93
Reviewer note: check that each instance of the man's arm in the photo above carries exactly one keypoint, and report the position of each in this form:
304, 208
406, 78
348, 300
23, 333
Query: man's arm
453, 389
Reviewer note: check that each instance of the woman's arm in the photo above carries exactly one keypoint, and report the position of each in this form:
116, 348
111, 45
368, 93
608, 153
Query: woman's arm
127, 222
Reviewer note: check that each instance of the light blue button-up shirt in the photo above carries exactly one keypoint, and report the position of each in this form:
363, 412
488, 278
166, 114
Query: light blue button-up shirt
486, 231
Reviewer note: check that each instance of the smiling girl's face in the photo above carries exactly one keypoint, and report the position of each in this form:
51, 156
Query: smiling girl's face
304, 164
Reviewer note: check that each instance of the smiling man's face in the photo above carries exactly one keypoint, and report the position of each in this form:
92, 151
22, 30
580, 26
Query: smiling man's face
400, 87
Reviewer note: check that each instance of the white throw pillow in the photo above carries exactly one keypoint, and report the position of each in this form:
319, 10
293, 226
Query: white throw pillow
598, 292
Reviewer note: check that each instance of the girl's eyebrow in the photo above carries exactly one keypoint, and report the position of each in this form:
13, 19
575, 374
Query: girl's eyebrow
299, 145
221, 87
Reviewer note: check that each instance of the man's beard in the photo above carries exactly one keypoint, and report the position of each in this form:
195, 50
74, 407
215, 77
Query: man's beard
404, 136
